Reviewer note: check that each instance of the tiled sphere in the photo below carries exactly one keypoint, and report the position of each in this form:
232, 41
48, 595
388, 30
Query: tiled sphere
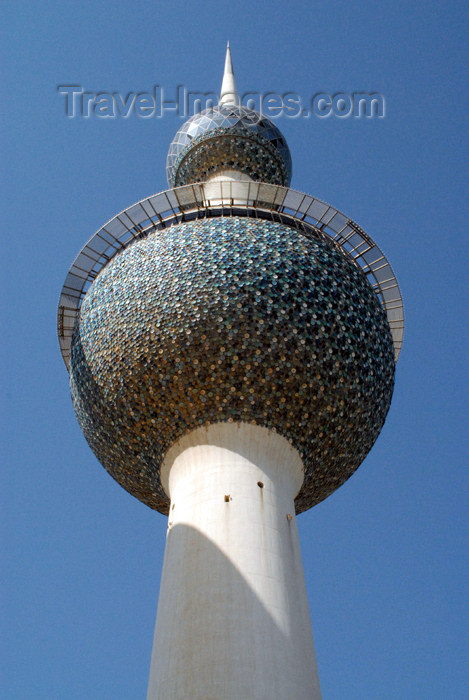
228, 137
231, 319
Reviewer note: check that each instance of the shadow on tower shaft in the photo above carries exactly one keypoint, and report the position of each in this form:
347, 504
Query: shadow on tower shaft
233, 618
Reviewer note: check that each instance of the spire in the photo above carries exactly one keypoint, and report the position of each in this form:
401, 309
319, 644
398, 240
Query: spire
228, 93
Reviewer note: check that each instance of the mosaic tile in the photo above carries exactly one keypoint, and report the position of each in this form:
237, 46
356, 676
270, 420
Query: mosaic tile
231, 319
228, 137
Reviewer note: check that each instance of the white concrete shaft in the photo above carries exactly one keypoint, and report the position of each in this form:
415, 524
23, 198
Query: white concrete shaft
233, 619
216, 193
228, 175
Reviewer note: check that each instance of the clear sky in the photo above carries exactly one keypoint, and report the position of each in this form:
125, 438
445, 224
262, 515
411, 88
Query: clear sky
384, 556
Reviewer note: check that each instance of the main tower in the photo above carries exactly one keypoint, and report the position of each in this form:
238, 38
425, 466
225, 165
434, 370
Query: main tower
231, 345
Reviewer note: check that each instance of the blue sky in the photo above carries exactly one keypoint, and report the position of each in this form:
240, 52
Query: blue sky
384, 556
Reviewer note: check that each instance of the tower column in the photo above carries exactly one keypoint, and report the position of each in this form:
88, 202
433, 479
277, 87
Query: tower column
233, 619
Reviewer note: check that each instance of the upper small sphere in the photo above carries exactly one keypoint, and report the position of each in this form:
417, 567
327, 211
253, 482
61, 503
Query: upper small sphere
228, 137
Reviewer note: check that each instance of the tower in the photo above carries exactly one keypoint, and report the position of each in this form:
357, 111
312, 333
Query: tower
231, 345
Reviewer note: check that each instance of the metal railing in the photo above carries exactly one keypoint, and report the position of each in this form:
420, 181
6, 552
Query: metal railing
228, 198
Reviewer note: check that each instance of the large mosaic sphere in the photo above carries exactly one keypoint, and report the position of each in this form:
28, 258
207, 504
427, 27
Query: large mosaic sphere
228, 137
231, 319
